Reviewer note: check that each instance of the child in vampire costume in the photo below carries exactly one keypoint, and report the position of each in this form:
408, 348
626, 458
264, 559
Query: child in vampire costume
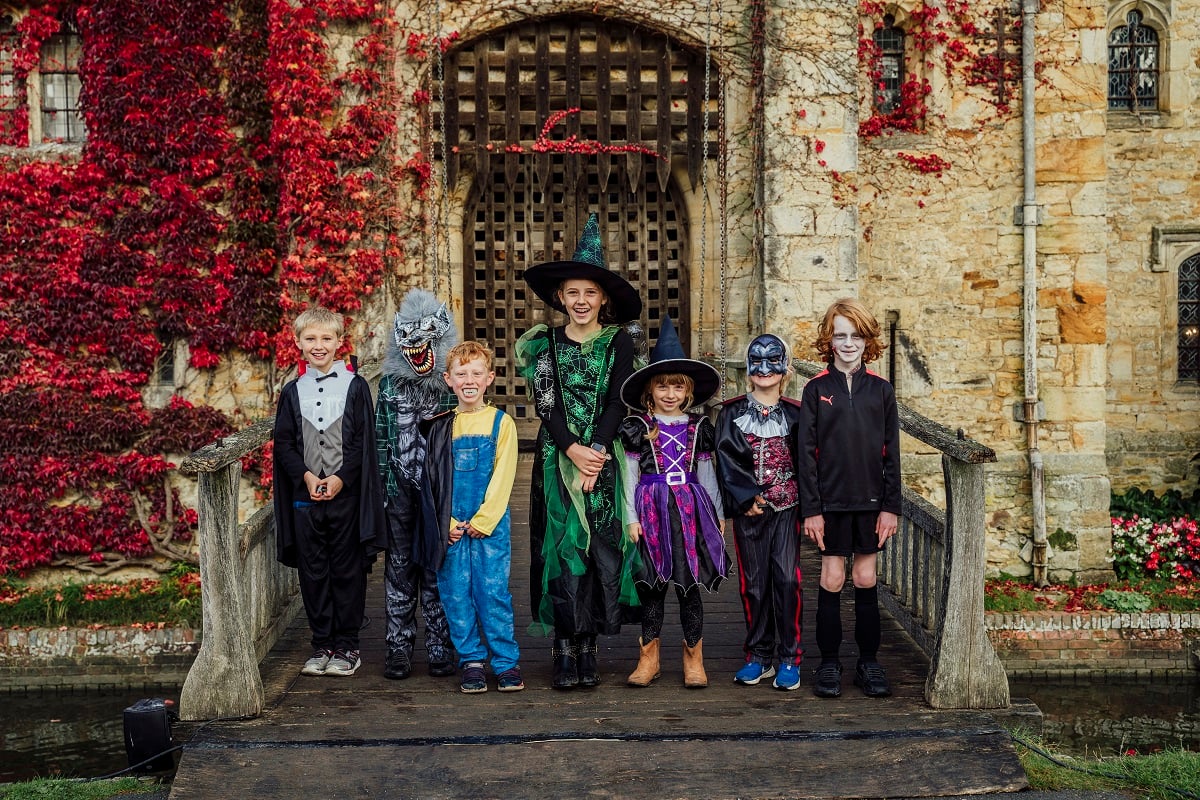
672, 500
412, 389
328, 501
580, 571
757, 463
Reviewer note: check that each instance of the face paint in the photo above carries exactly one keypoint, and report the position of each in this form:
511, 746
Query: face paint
767, 355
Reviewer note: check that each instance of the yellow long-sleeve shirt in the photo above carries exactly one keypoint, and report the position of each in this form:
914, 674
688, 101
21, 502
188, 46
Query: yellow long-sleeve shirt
504, 470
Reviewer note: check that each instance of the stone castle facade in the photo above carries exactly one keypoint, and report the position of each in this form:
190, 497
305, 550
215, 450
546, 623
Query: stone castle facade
925, 223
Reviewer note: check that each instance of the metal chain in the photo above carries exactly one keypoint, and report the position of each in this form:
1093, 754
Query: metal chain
723, 258
705, 206
444, 227
432, 250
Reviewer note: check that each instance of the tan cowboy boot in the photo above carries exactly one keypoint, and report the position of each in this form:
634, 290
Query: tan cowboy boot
694, 676
647, 667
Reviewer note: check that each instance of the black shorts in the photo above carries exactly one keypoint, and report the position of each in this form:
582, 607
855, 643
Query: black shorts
850, 533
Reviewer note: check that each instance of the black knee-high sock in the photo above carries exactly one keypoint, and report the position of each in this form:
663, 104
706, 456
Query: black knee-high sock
829, 624
866, 622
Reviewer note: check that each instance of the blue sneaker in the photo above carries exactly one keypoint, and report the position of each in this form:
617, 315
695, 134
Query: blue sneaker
753, 672
788, 677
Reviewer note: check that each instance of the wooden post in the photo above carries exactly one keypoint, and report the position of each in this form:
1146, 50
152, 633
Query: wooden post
224, 680
965, 672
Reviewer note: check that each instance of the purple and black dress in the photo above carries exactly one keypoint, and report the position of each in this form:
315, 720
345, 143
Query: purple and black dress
671, 489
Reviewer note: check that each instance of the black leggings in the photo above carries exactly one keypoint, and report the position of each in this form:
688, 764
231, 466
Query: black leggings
691, 612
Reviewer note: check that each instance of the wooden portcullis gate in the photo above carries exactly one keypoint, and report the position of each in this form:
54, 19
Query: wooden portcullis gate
557, 119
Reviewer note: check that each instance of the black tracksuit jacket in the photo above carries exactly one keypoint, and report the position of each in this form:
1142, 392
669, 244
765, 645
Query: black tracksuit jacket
848, 443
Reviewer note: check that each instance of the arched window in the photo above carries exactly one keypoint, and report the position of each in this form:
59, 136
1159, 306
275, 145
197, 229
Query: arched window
889, 42
1189, 320
1133, 66
59, 69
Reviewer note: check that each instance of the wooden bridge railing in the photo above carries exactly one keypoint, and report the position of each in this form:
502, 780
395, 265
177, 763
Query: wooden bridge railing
247, 597
934, 570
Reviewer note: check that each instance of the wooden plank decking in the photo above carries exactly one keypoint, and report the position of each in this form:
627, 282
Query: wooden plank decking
365, 736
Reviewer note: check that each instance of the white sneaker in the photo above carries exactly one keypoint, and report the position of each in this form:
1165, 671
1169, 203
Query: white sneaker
343, 663
318, 663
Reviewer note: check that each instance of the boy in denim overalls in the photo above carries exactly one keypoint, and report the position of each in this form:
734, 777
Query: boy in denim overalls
470, 465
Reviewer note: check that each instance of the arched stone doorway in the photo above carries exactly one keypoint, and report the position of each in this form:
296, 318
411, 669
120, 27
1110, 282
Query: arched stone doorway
624, 94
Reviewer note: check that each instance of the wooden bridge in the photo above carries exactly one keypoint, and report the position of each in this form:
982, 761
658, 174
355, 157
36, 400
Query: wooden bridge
420, 737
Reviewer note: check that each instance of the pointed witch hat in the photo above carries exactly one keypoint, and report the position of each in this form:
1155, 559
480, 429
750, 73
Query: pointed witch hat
668, 358
588, 263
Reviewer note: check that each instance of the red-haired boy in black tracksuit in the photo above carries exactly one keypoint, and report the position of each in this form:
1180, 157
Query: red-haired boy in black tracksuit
848, 442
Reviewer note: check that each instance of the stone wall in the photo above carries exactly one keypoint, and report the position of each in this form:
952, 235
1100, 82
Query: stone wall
1061, 645
940, 252
51, 659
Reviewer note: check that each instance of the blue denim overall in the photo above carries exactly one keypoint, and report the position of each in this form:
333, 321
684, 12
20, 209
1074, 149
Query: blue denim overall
473, 579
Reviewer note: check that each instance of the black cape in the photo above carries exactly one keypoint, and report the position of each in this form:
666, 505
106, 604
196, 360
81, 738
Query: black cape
359, 472
437, 492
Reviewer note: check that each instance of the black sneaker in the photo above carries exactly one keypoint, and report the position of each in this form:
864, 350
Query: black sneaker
827, 679
870, 677
474, 679
442, 669
397, 666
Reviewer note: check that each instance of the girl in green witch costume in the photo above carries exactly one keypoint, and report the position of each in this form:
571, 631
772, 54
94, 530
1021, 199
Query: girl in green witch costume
581, 563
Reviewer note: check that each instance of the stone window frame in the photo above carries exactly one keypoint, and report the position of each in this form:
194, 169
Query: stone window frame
1156, 16
1170, 247
912, 67
30, 95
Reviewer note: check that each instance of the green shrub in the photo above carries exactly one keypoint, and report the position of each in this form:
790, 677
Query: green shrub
172, 600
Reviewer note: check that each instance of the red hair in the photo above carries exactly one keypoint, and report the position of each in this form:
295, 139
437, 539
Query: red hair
863, 320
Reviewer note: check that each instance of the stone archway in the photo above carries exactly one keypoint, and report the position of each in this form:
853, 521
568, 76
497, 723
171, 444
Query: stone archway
617, 88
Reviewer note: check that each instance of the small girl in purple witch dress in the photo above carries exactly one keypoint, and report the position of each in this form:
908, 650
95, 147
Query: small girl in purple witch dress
671, 492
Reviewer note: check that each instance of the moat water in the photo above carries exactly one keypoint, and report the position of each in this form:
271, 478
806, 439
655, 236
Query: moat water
82, 734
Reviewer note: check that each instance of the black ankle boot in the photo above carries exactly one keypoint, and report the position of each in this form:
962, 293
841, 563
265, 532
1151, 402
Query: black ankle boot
566, 664
589, 673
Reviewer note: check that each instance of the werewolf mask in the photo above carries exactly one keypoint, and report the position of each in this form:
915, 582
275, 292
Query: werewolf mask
422, 335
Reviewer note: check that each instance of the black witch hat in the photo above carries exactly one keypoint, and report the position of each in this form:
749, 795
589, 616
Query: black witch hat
588, 263
668, 358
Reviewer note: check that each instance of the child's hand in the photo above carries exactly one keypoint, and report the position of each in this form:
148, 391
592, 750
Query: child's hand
473, 532
885, 526
313, 484
456, 533
756, 508
814, 528
330, 487
589, 462
634, 531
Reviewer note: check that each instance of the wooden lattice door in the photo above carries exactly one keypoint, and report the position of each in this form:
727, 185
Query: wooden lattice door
626, 95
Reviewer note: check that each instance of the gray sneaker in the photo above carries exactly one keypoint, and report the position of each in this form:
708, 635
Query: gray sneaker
318, 663
343, 663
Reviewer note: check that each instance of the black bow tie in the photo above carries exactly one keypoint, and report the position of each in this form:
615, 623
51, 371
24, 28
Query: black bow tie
326, 375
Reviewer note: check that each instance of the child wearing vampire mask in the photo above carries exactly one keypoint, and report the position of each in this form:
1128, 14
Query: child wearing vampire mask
757, 465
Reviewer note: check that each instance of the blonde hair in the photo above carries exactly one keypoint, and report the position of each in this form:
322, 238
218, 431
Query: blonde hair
464, 352
319, 317
864, 321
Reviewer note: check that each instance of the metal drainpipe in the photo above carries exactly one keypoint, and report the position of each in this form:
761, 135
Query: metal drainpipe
1029, 221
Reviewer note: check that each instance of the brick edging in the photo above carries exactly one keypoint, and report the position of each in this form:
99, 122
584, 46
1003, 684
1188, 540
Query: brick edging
1046, 643
37, 659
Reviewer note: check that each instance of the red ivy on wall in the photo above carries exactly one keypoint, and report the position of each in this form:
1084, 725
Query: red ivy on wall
949, 29
232, 174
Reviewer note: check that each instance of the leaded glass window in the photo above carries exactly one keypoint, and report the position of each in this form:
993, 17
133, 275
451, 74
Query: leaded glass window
1133, 66
889, 41
61, 120
1189, 320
